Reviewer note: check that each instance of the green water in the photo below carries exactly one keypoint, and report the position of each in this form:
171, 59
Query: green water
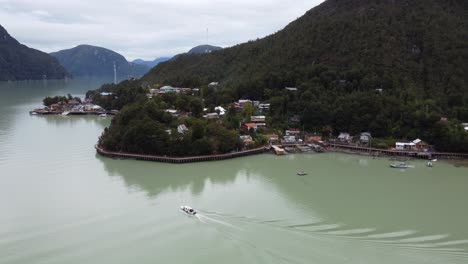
62, 203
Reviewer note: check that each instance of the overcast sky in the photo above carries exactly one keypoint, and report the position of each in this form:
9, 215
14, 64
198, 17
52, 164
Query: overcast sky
145, 28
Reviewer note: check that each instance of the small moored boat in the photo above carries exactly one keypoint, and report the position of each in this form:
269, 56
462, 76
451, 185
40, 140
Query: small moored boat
301, 173
103, 115
401, 165
188, 210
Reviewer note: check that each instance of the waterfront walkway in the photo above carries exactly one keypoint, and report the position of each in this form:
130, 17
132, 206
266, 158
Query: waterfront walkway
179, 160
386, 152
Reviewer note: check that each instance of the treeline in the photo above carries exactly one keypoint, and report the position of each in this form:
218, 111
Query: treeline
145, 127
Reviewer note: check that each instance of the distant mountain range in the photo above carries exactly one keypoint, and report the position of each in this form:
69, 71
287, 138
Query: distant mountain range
153, 63
202, 49
87, 60
18, 62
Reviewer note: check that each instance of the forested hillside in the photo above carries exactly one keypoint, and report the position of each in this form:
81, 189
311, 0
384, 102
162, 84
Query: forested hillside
18, 62
395, 68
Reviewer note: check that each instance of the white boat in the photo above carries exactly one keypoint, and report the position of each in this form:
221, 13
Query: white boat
188, 210
401, 165
301, 173
430, 164
103, 115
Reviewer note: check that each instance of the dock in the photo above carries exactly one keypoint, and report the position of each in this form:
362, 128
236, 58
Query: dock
399, 153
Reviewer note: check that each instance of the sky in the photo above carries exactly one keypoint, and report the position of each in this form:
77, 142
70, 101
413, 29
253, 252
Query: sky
146, 29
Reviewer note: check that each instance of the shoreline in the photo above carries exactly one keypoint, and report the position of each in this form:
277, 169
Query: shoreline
178, 160
338, 148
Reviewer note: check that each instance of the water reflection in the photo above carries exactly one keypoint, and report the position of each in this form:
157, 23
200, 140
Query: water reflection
157, 178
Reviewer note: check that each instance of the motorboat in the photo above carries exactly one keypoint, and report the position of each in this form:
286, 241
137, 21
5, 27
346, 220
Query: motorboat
301, 173
401, 165
430, 164
103, 115
188, 210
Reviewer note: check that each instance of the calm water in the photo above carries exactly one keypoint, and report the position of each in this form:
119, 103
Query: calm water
61, 203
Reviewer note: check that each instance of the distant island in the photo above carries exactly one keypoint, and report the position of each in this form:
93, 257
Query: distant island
18, 62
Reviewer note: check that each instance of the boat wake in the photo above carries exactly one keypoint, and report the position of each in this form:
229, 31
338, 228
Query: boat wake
207, 220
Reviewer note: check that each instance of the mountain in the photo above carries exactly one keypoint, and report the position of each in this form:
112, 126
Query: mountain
18, 62
398, 46
203, 49
153, 63
87, 60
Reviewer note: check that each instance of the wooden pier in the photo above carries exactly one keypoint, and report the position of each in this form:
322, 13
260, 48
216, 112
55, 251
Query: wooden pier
179, 160
398, 153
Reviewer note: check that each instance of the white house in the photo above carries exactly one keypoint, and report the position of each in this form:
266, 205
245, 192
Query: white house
405, 146
264, 106
182, 129
365, 137
220, 110
344, 137
258, 119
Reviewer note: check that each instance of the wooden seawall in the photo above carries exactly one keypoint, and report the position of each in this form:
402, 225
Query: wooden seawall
414, 154
177, 160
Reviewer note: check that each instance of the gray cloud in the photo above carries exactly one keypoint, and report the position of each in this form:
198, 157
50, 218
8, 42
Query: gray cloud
145, 28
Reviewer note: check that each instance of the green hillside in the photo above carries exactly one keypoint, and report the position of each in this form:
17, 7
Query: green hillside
395, 68
395, 45
18, 62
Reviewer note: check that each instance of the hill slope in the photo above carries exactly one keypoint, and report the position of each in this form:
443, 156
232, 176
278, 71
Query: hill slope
395, 45
18, 62
87, 60
202, 49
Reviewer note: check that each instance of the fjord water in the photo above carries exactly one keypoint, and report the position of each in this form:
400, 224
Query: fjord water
62, 203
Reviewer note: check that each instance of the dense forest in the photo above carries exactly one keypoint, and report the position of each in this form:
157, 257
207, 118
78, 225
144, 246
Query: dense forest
396, 68
18, 62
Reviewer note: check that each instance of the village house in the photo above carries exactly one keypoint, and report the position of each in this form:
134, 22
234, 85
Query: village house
344, 137
272, 138
167, 89
408, 146
314, 137
293, 132
242, 103
421, 145
211, 116
73, 102
247, 140
264, 106
173, 112
220, 110
182, 129
365, 138
289, 139
258, 119
56, 107
248, 126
